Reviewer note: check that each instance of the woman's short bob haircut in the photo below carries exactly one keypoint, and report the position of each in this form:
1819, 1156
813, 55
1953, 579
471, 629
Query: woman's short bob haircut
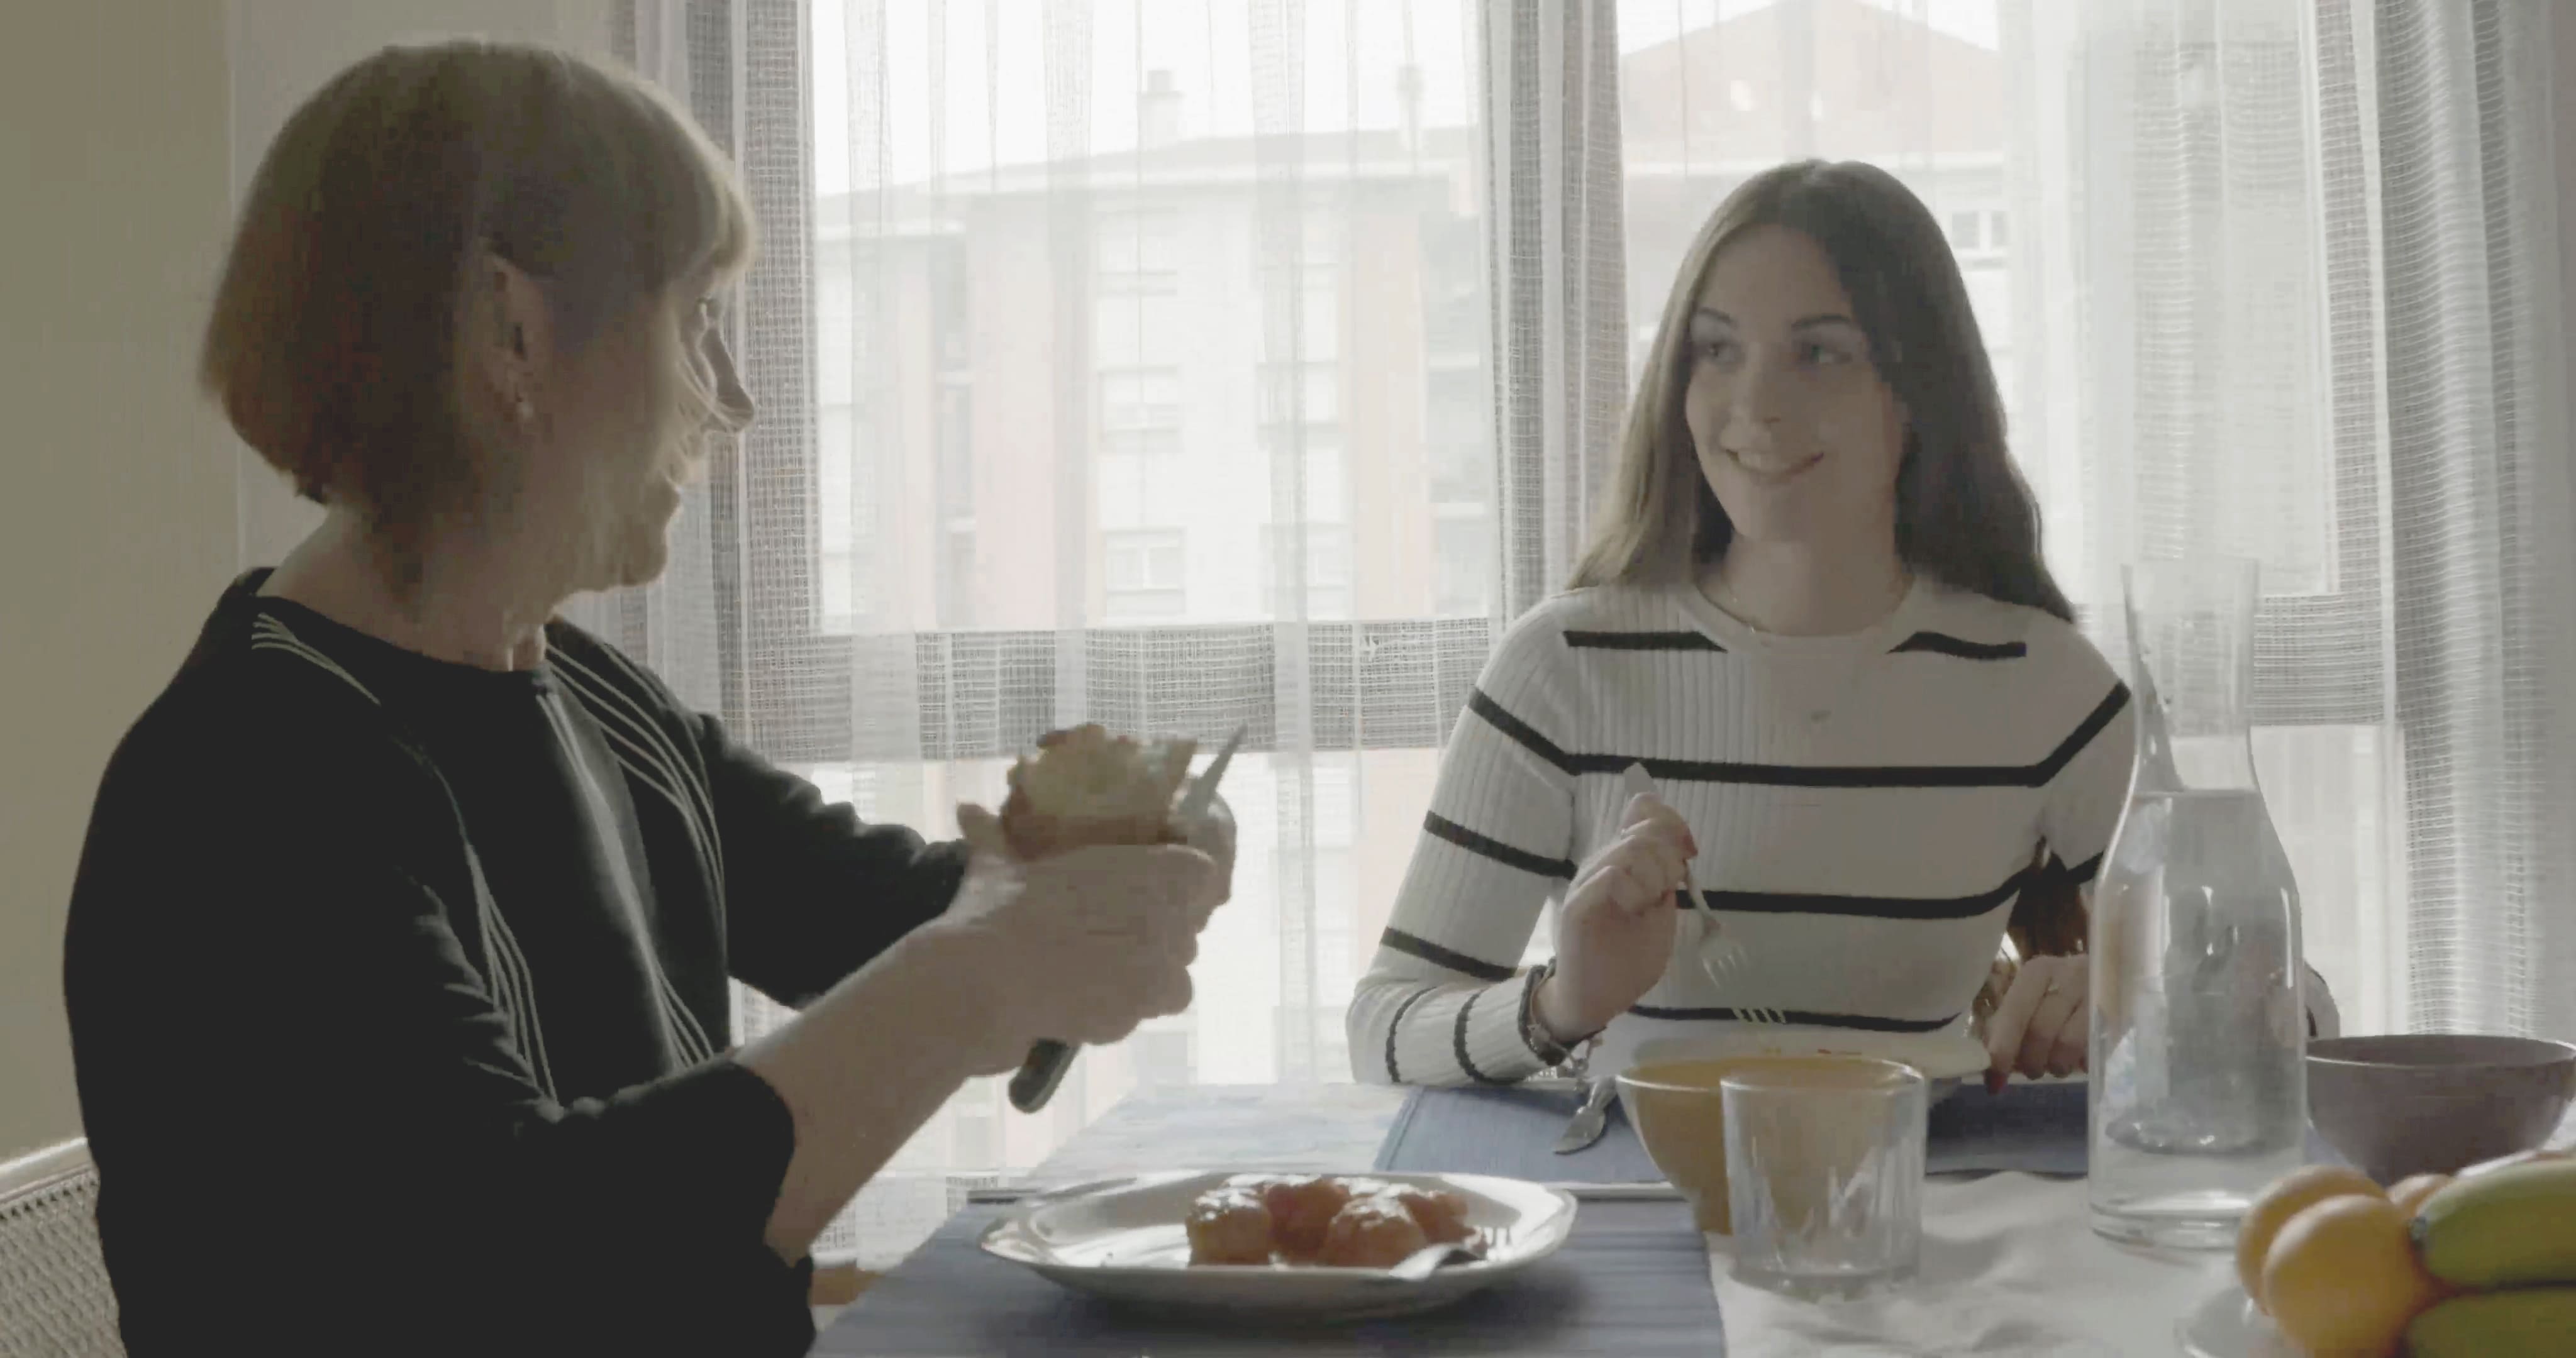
334, 340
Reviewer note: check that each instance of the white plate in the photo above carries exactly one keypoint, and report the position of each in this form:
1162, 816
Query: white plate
2228, 1326
1122, 1239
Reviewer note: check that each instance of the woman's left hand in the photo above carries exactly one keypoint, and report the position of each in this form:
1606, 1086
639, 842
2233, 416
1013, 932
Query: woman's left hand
2044, 1023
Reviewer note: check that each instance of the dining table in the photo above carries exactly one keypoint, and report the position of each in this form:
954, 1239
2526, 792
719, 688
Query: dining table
2010, 1264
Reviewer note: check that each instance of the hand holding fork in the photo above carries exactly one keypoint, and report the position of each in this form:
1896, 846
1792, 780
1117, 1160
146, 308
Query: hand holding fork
1721, 957
1617, 926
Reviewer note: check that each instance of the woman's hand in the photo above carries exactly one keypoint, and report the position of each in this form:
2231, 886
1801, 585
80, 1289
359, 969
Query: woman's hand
1213, 835
2044, 1024
1082, 946
1614, 934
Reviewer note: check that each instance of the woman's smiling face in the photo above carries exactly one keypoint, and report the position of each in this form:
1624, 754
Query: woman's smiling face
1796, 433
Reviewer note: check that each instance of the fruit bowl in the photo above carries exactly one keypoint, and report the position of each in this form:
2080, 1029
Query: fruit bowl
2432, 1103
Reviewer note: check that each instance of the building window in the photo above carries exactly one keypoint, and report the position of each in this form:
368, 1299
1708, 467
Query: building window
1328, 569
1138, 476
1143, 570
1307, 393
1137, 332
1140, 398
1967, 235
1139, 252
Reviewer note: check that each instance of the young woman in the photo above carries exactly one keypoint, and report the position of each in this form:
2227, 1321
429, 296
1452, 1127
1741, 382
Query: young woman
398, 953
1815, 610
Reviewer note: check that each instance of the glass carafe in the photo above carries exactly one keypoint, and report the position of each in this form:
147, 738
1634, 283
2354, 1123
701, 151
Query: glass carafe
2199, 1094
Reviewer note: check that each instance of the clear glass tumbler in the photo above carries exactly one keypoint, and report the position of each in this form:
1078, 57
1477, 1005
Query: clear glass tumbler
1824, 1172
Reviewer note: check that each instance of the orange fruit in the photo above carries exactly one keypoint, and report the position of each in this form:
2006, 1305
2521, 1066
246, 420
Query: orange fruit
2342, 1280
2409, 1193
2286, 1198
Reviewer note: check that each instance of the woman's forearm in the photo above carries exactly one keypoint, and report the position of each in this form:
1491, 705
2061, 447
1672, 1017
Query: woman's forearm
863, 1067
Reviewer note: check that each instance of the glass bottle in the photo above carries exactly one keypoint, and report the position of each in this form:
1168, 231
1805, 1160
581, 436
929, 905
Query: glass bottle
2199, 1099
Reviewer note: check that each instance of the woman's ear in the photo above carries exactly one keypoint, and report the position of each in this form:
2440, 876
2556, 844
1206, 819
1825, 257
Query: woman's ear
509, 336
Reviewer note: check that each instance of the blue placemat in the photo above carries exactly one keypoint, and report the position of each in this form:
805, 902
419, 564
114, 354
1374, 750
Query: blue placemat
2034, 1128
1632, 1282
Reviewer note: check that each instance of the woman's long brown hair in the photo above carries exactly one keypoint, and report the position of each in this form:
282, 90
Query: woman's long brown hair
1964, 516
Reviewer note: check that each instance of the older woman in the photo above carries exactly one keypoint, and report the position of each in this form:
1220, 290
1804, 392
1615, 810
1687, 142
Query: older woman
397, 959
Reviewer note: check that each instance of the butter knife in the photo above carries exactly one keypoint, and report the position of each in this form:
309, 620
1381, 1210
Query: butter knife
1049, 1059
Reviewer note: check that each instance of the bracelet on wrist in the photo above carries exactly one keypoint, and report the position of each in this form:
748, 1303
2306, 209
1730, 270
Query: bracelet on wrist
1535, 1035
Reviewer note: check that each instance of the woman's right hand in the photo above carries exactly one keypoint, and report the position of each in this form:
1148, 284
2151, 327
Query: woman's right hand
1081, 946
1614, 932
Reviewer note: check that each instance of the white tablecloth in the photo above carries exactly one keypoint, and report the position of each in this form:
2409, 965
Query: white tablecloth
2010, 1266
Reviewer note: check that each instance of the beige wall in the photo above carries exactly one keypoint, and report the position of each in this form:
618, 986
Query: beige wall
116, 525
124, 128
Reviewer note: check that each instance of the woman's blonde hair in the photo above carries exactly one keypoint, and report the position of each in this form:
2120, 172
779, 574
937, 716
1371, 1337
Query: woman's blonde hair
1963, 514
333, 341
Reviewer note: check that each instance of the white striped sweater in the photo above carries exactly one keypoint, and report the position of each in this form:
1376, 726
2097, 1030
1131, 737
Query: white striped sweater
1866, 808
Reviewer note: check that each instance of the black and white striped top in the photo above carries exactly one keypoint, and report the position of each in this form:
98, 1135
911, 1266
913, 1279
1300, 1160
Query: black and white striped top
1866, 806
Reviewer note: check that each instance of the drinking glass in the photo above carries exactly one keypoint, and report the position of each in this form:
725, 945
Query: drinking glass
1824, 1172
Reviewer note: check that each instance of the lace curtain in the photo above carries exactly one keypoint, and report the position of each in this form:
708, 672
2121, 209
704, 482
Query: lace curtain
2269, 277
1181, 364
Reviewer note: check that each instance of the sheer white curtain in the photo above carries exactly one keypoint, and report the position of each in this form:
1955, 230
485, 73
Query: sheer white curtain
2271, 277
1134, 361
1185, 363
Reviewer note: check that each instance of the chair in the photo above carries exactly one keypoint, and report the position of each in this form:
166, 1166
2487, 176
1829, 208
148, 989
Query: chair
55, 1300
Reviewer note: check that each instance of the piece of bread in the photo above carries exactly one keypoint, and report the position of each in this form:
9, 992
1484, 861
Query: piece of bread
1086, 786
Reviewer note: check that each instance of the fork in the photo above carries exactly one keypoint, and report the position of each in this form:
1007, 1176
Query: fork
1424, 1262
1721, 956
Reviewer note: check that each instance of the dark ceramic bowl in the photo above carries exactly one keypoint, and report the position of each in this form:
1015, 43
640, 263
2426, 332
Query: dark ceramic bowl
2436, 1103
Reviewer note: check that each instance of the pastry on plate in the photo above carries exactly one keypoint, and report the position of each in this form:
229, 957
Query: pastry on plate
1441, 1214
1302, 1210
1371, 1232
1086, 786
1229, 1226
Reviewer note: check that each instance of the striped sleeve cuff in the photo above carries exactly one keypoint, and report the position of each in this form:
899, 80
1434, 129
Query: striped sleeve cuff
1466, 1036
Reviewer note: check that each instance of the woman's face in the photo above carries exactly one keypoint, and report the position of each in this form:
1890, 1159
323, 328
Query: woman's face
623, 435
1798, 437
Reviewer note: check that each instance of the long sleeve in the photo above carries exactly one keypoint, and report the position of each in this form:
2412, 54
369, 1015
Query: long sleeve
812, 892
315, 1130
1441, 1002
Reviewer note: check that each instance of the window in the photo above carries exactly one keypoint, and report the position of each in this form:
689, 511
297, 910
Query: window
1328, 570
1283, 384
1967, 231
1140, 477
1139, 252
1328, 490
1165, 1052
1142, 572
1137, 330
1104, 399
1140, 398
1458, 423
1463, 565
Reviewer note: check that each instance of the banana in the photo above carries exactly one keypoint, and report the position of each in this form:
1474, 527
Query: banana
2505, 1228
2533, 1322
